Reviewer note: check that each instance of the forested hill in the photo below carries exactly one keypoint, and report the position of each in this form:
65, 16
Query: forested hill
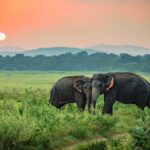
81, 61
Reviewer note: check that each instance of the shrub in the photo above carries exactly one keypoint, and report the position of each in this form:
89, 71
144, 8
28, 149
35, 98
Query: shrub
115, 144
28, 122
93, 146
141, 132
80, 132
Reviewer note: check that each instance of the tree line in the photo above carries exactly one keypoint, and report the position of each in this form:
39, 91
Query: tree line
81, 61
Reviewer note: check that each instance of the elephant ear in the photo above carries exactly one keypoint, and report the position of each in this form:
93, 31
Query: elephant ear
110, 83
78, 85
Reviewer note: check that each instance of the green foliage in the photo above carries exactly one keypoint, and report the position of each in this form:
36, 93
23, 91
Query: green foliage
80, 132
115, 144
141, 132
29, 122
119, 143
72, 62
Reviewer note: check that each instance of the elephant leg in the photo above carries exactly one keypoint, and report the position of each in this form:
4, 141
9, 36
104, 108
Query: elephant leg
108, 108
60, 105
141, 107
142, 100
89, 106
81, 104
109, 101
81, 101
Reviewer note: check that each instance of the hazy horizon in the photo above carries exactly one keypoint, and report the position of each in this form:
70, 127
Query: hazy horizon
83, 47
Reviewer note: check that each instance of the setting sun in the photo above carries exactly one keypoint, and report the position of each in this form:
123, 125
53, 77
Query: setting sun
2, 36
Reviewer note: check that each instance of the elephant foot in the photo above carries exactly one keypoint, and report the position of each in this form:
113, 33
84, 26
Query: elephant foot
107, 113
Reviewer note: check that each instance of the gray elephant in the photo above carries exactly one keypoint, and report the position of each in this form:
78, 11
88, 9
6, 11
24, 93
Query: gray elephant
71, 89
127, 88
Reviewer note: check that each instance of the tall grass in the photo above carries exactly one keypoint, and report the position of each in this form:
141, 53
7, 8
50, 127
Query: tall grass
29, 122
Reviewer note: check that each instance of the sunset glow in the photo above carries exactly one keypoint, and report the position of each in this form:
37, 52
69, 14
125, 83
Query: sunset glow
80, 23
2, 36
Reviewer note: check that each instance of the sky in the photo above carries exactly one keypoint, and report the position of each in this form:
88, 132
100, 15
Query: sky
75, 23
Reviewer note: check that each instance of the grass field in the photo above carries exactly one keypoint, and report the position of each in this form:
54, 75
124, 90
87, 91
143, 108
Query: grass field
29, 122
12, 79
27, 79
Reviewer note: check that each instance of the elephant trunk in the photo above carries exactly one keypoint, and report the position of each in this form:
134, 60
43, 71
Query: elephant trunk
95, 94
88, 98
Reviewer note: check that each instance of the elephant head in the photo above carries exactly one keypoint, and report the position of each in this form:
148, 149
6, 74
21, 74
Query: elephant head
101, 83
83, 88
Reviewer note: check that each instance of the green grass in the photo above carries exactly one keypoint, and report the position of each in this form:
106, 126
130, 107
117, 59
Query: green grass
29, 122
34, 79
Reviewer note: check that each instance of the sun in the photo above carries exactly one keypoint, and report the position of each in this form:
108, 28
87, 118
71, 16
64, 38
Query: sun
2, 36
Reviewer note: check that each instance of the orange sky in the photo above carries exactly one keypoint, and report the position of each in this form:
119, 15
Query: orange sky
80, 23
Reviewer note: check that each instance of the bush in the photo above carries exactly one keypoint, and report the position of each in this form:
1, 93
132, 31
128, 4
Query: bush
80, 132
28, 122
93, 146
115, 144
141, 132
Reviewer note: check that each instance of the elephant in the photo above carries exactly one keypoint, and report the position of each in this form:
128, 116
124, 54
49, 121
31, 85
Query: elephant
125, 87
71, 89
